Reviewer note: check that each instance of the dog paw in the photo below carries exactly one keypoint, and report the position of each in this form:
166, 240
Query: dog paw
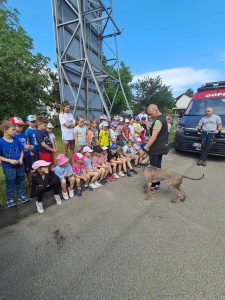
174, 200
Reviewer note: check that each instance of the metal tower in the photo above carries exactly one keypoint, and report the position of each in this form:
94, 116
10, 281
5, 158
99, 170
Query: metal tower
86, 39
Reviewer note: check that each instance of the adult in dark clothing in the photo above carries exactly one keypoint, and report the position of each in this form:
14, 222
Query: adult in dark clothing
157, 145
44, 180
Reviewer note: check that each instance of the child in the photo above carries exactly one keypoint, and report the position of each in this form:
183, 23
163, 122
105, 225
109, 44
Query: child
30, 133
102, 119
44, 180
136, 147
137, 127
115, 162
128, 152
125, 160
52, 136
143, 128
46, 149
132, 130
80, 134
80, 173
92, 173
110, 176
11, 157
67, 122
125, 133
65, 172
93, 140
113, 134
27, 160
104, 135
168, 120
97, 162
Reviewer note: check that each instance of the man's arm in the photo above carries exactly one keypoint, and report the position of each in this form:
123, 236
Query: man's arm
152, 139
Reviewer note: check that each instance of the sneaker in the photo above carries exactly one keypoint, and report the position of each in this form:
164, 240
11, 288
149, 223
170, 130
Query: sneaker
79, 192
58, 199
128, 174
113, 178
11, 203
133, 171
93, 186
204, 163
65, 195
116, 176
23, 199
109, 178
103, 182
40, 208
71, 193
121, 174
88, 188
97, 184
199, 163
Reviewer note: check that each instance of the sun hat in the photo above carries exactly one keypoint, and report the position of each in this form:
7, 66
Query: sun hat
137, 118
103, 117
113, 147
127, 121
40, 163
78, 156
114, 124
105, 124
17, 121
105, 148
61, 159
97, 149
50, 125
31, 118
87, 149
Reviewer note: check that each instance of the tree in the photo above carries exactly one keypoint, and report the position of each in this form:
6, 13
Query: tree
189, 92
24, 76
126, 78
152, 90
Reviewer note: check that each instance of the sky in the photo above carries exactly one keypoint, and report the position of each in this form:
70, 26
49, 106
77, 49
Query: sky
181, 41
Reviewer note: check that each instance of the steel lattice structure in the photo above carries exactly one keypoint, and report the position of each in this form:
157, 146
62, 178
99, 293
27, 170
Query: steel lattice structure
84, 30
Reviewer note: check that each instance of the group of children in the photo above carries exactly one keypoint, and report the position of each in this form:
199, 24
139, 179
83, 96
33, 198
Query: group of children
101, 152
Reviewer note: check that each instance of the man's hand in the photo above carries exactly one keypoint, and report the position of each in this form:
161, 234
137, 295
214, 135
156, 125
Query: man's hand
146, 148
14, 162
216, 131
20, 161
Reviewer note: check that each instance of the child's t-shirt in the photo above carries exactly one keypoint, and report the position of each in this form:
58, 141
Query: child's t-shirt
10, 150
97, 160
60, 171
112, 134
78, 169
126, 132
127, 149
136, 148
67, 133
104, 138
23, 139
137, 126
31, 135
43, 136
88, 163
81, 135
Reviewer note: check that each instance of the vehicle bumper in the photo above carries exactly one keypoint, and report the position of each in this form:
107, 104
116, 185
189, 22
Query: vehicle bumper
185, 143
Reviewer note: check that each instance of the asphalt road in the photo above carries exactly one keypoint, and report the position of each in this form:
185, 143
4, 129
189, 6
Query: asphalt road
113, 244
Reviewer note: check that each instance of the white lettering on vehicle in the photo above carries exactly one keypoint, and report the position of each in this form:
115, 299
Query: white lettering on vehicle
215, 95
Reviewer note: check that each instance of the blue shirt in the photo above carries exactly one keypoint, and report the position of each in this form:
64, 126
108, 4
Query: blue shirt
31, 135
43, 136
23, 139
60, 171
88, 163
10, 150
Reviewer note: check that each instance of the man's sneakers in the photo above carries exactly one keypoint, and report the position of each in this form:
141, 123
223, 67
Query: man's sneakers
11, 203
58, 199
128, 174
201, 163
40, 208
23, 199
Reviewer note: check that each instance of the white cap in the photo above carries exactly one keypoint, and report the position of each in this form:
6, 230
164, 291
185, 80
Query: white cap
50, 125
87, 149
127, 121
121, 119
105, 124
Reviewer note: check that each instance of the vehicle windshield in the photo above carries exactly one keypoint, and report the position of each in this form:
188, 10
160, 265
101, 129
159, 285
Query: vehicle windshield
197, 107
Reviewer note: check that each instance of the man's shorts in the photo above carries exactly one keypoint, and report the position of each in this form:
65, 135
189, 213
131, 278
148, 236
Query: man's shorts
68, 141
27, 161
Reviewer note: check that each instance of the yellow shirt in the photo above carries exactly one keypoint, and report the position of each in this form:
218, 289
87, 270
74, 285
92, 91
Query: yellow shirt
104, 138
137, 126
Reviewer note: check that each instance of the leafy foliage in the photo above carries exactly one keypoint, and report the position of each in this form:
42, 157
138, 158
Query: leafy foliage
24, 77
152, 90
189, 92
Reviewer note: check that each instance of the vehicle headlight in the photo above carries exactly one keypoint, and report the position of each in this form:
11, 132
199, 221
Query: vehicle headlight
180, 129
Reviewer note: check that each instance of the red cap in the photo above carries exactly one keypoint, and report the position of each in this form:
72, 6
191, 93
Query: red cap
78, 156
17, 121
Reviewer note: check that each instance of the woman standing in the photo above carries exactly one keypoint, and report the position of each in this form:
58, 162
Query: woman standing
67, 123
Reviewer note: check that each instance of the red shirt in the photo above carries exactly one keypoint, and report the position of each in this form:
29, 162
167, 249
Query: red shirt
126, 132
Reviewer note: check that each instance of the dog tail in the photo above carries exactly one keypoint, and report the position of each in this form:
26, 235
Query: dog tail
200, 178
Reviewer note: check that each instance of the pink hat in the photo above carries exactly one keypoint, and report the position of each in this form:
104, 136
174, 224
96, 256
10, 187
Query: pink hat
17, 121
40, 163
138, 139
61, 159
87, 149
78, 156
103, 117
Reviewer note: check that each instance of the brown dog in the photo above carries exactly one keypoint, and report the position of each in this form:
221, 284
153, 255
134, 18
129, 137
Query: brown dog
174, 179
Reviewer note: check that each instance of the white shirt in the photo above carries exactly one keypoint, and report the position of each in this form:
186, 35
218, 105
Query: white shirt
67, 133
112, 134
52, 138
143, 115
127, 149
